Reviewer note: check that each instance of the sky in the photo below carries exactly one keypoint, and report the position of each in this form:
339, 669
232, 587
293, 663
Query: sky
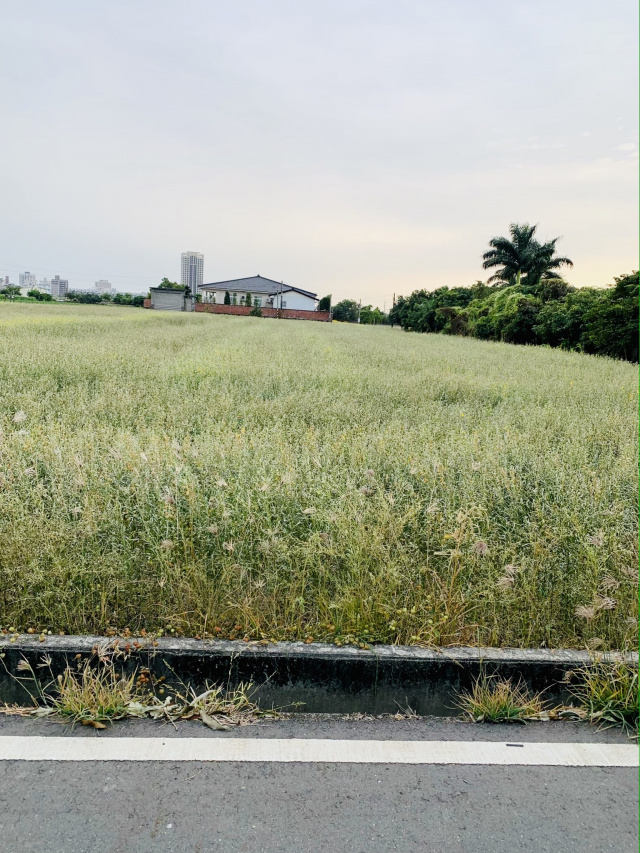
354, 147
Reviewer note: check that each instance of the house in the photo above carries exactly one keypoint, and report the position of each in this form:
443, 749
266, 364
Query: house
257, 290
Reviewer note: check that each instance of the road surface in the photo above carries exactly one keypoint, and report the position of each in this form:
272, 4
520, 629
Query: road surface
271, 801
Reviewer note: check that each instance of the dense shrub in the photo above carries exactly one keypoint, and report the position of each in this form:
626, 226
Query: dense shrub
598, 321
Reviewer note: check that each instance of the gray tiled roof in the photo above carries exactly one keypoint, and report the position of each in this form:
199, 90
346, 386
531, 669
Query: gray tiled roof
254, 284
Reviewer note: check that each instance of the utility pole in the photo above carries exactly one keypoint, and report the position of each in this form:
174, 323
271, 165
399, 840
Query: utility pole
359, 310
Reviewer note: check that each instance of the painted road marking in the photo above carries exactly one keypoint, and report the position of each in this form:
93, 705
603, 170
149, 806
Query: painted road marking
314, 751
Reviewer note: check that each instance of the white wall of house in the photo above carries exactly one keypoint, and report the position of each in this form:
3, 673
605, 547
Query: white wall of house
297, 301
208, 296
289, 299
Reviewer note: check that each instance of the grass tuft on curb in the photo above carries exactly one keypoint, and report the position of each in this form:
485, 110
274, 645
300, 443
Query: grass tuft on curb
608, 690
499, 700
95, 694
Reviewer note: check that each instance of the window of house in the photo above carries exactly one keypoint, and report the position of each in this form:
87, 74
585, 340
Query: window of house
284, 304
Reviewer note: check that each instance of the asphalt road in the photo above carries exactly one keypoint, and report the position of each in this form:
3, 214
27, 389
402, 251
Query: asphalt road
197, 807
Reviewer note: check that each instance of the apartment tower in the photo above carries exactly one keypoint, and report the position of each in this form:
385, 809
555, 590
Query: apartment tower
192, 268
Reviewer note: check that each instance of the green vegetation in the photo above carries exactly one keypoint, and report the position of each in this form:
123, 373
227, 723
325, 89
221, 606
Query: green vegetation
609, 692
95, 694
134, 299
597, 321
165, 284
346, 311
498, 700
39, 295
210, 474
528, 302
523, 260
349, 311
10, 290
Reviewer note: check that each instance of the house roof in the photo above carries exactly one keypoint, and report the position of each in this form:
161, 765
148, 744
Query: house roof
255, 284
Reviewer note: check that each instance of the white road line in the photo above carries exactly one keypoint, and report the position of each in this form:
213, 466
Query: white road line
309, 750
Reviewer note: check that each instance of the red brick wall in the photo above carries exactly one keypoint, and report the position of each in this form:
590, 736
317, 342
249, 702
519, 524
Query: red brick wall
285, 313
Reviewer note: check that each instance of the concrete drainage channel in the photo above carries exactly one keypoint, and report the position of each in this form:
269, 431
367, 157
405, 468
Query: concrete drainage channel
314, 678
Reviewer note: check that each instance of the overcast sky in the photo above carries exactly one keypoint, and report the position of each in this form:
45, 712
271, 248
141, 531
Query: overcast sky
357, 147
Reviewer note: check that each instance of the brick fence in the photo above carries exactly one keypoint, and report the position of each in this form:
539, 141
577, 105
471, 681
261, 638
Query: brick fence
284, 313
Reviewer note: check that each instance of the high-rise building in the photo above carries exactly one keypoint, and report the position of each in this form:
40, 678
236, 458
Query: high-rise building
45, 285
192, 269
28, 280
104, 286
59, 287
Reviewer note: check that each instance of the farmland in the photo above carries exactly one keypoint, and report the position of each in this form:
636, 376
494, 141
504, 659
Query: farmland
262, 479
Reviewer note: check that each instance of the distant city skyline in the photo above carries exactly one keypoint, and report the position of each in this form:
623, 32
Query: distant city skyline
376, 151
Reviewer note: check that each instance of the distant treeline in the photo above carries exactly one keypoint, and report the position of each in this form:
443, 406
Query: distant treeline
135, 299
591, 320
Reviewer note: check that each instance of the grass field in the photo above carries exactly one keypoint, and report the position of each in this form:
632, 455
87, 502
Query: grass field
279, 479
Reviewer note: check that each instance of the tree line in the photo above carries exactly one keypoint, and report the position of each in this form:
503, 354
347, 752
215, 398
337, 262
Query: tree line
134, 299
350, 311
527, 301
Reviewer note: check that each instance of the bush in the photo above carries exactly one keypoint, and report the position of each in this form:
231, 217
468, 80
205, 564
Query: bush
597, 321
346, 311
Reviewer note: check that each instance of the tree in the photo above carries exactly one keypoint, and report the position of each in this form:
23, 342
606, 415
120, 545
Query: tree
40, 295
324, 304
227, 298
256, 311
611, 325
523, 255
165, 284
372, 316
84, 298
234, 299
11, 290
561, 322
346, 311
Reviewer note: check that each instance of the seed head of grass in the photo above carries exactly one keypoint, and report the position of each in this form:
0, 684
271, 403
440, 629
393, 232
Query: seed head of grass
609, 692
95, 695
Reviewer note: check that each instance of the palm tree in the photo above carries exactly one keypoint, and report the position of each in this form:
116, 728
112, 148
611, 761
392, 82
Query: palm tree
523, 254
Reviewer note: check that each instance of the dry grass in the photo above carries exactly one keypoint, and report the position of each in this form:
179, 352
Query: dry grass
499, 700
608, 690
239, 477
95, 694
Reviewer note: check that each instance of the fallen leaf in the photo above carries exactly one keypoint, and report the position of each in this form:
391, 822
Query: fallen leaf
212, 723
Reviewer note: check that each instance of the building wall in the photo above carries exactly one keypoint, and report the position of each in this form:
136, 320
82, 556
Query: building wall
27, 279
59, 287
207, 296
295, 301
290, 299
167, 300
284, 314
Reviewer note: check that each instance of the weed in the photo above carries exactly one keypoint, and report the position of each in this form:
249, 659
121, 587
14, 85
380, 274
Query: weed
95, 694
499, 700
608, 690
311, 481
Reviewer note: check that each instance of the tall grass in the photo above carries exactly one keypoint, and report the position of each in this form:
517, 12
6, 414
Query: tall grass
280, 479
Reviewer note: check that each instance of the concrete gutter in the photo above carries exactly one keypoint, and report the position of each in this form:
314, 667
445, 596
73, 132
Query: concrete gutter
323, 678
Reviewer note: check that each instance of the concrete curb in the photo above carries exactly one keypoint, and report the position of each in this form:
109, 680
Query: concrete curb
324, 678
